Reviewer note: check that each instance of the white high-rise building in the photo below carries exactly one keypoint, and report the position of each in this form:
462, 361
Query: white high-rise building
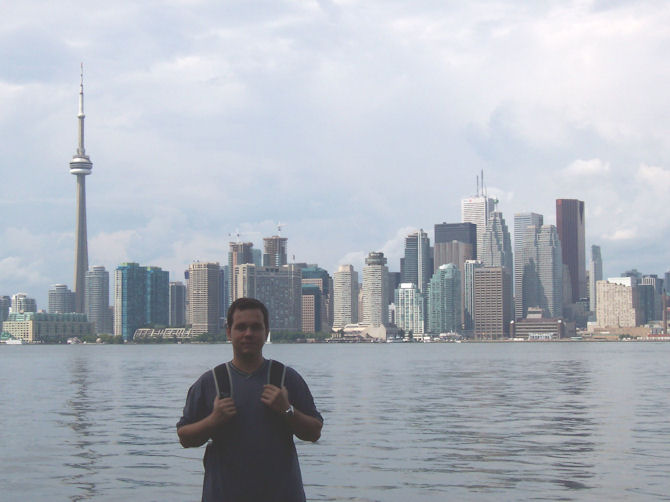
21, 303
375, 290
345, 301
409, 308
617, 304
204, 297
477, 210
61, 300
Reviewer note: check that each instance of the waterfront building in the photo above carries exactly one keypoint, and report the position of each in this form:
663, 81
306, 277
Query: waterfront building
130, 282
204, 302
60, 300
444, 300
224, 284
496, 244
319, 277
570, 224
239, 254
416, 267
523, 222
177, 317
51, 328
96, 299
80, 166
477, 210
469, 268
409, 309
653, 304
537, 327
21, 302
375, 290
279, 288
5, 304
595, 275
158, 296
493, 302
274, 251
617, 303
345, 297
542, 273
311, 308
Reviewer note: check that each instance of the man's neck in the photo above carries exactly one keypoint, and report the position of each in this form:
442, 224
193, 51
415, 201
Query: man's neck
248, 365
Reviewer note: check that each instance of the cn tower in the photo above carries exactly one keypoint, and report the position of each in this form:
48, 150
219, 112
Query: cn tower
80, 166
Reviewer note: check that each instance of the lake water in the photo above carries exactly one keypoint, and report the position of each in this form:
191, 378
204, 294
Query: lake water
419, 422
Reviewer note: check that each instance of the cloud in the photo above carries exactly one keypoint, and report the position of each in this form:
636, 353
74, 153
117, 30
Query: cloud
581, 169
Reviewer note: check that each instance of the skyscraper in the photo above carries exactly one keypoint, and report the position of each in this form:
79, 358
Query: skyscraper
203, 297
493, 302
416, 267
345, 296
177, 304
444, 300
311, 308
130, 283
239, 254
5, 303
570, 225
521, 223
542, 273
454, 243
21, 303
274, 251
158, 296
96, 304
375, 290
469, 294
477, 210
80, 166
61, 300
320, 278
595, 275
409, 309
496, 249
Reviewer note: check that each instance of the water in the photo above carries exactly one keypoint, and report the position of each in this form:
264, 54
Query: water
420, 422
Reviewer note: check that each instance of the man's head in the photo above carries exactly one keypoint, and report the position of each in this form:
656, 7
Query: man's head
248, 304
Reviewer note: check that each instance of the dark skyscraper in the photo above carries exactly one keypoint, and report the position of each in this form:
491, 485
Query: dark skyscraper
417, 266
570, 225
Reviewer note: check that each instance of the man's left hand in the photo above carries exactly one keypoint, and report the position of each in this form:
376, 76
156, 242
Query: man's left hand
275, 398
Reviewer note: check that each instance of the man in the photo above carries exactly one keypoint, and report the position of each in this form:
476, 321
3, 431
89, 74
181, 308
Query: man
252, 456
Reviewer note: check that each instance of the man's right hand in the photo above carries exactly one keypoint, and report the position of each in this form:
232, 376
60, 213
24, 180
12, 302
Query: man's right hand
223, 410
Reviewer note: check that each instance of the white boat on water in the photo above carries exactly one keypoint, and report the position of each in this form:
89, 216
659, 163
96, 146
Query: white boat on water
14, 341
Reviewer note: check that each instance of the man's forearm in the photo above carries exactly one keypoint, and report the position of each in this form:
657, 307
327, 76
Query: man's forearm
196, 434
306, 427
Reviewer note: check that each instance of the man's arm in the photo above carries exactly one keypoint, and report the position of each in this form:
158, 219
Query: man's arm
197, 433
306, 427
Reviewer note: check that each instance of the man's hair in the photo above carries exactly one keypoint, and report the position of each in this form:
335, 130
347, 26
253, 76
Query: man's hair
247, 304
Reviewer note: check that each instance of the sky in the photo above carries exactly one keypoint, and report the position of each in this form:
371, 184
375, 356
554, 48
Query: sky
351, 123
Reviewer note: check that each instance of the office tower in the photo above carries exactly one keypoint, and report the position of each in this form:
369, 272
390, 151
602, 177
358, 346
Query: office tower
5, 303
570, 225
319, 277
345, 297
239, 254
493, 302
274, 251
311, 308
454, 243
522, 222
177, 304
409, 309
651, 289
21, 303
469, 294
541, 273
496, 243
279, 288
595, 275
444, 300
224, 285
61, 300
416, 267
130, 313
96, 302
634, 275
375, 290
257, 257
477, 210
158, 296
617, 304
204, 302
80, 166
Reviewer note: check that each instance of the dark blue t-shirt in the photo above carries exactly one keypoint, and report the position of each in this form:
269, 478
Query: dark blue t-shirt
252, 457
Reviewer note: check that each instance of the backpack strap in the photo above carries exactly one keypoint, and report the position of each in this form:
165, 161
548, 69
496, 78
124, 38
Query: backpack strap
276, 373
222, 381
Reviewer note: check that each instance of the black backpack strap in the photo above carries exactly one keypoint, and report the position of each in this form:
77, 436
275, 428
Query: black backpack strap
222, 381
276, 373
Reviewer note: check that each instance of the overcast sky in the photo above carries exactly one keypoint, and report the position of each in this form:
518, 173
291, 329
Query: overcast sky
351, 122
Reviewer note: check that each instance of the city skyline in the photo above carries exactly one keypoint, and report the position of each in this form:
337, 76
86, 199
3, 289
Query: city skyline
330, 113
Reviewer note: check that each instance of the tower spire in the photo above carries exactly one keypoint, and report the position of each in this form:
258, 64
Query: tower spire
81, 151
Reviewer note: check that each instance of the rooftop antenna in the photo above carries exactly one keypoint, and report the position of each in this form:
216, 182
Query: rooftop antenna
477, 185
279, 225
483, 186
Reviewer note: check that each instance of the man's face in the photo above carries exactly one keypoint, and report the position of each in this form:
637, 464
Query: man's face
247, 333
